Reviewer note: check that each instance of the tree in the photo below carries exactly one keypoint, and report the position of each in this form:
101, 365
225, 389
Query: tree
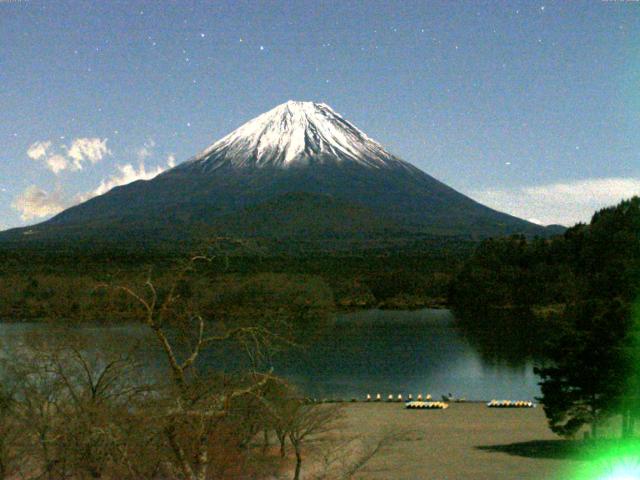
346, 457
197, 404
276, 399
306, 420
292, 417
587, 369
630, 404
579, 289
74, 405
594, 358
11, 436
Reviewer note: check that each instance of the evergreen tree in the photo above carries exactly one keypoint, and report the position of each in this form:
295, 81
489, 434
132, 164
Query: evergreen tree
587, 369
593, 361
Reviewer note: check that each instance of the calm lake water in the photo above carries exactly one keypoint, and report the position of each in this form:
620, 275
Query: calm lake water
373, 352
403, 352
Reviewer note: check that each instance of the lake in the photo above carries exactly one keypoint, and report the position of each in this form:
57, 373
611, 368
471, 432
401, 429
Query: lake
420, 351
371, 351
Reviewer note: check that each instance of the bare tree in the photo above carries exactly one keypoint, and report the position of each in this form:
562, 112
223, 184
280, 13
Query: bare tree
318, 430
293, 418
83, 411
11, 436
38, 414
307, 420
195, 406
73, 404
276, 400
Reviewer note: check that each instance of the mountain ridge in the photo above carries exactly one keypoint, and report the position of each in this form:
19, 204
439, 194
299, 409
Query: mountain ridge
242, 181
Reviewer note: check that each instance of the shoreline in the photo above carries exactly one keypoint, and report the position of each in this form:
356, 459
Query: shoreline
339, 310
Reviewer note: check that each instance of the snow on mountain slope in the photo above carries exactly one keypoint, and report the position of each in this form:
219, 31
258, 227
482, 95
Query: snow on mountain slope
299, 170
293, 133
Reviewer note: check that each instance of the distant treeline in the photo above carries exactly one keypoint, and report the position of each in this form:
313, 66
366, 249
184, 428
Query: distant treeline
41, 283
543, 276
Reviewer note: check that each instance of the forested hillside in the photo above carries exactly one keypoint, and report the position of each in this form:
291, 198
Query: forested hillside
598, 260
570, 302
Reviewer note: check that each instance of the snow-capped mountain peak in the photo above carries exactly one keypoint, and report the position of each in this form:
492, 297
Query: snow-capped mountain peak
295, 133
298, 171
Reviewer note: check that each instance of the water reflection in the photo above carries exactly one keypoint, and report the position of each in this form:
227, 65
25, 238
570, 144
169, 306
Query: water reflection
364, 352
507, 337
403, 352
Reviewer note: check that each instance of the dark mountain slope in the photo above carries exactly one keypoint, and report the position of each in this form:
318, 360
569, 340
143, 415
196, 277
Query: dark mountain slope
299, 170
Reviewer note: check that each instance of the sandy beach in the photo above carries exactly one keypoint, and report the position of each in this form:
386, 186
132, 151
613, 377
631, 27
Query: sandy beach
465, 441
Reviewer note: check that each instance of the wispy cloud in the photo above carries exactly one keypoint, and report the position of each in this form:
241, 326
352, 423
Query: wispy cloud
38, 150
82, 150
87, 149
564, 203
126, 174
35, 202
57, 163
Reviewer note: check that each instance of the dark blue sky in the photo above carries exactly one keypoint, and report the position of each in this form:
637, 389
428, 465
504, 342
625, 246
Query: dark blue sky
531, 107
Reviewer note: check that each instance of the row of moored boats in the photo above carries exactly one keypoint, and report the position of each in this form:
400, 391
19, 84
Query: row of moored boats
427, 403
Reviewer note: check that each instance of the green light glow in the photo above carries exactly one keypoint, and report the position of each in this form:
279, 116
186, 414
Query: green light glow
625, 470
623, 474
610, 460
615, 459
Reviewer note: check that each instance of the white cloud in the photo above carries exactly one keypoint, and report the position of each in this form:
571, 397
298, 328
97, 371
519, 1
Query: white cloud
91, 149
564, 203
38, 150
81, 150
57, 163
34, 202
126, 174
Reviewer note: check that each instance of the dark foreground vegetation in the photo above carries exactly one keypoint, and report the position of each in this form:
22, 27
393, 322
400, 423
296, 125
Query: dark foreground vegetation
571, 302
69, 410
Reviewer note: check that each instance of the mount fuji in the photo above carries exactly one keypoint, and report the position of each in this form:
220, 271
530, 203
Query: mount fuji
299, 171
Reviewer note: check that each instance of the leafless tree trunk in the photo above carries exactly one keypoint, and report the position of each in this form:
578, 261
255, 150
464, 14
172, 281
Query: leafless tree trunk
296, 474
201, 408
